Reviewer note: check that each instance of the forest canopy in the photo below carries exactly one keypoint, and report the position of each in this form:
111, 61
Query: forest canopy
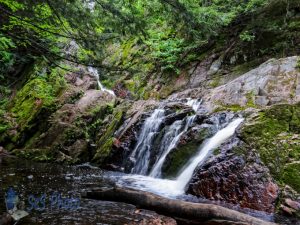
166, 29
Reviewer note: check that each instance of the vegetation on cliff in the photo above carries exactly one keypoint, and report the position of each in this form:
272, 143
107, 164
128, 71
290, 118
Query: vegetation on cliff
56, 55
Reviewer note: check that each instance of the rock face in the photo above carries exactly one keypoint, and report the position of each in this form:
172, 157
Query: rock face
275, 81
236, 179
69, 133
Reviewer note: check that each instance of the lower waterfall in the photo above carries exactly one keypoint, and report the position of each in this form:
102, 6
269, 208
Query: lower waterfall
172, 188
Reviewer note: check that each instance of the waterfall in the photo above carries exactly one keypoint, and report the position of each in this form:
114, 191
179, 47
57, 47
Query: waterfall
211, 144
194, 103
173, 188
169, 142
95, 73
141, 153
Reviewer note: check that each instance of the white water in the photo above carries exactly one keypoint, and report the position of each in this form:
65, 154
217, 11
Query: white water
173, 188
142, 150
94, 71
211, 144
156, 171
194, 103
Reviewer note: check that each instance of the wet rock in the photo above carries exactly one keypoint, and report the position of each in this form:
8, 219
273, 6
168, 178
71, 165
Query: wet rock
199, 73
6, 219
155, 220
3, 152
287, 210
177, 116
236, 179
261, 100
292, 204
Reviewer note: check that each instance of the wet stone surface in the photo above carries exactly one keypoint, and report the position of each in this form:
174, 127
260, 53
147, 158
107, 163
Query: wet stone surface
28, 178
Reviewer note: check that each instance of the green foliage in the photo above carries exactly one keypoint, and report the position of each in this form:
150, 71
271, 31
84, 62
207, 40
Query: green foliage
6, 56
166, 51
298, 63
247, 36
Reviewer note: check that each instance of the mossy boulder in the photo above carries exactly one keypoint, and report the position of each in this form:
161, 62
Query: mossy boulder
187, 147
274, 134
106, 136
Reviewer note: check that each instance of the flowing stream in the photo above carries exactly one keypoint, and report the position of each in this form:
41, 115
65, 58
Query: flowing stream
29, 178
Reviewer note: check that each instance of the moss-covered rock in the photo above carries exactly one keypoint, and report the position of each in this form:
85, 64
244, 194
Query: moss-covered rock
274, 133
40, 155
291, 175
106, 138
187, 147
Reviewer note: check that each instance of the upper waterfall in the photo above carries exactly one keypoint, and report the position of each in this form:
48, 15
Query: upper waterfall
95, 72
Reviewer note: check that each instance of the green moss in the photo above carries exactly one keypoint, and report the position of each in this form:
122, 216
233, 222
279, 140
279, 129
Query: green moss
41, 155
178, 159
104, 145
130, 85
180, 156
233, 108
246, 67
275, 135
38, 92
215, 82
291, 175
250, 100
298, 63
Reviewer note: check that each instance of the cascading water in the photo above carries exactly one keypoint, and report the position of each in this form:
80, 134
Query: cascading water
141, 153
211, 144
173, 188
194, 103
94, 71
170, 143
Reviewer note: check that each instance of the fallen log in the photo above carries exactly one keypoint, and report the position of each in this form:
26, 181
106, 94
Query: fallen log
170, 207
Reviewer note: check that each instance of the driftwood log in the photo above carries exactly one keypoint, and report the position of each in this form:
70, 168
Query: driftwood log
174, 208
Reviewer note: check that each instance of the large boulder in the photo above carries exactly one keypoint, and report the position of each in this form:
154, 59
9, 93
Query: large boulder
275, 81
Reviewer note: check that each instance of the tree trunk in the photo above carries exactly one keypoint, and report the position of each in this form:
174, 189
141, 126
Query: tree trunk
175, 208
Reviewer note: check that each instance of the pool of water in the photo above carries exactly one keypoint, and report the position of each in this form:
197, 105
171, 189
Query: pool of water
38, 179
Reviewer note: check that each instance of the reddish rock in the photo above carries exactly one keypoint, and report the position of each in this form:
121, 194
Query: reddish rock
235, 180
